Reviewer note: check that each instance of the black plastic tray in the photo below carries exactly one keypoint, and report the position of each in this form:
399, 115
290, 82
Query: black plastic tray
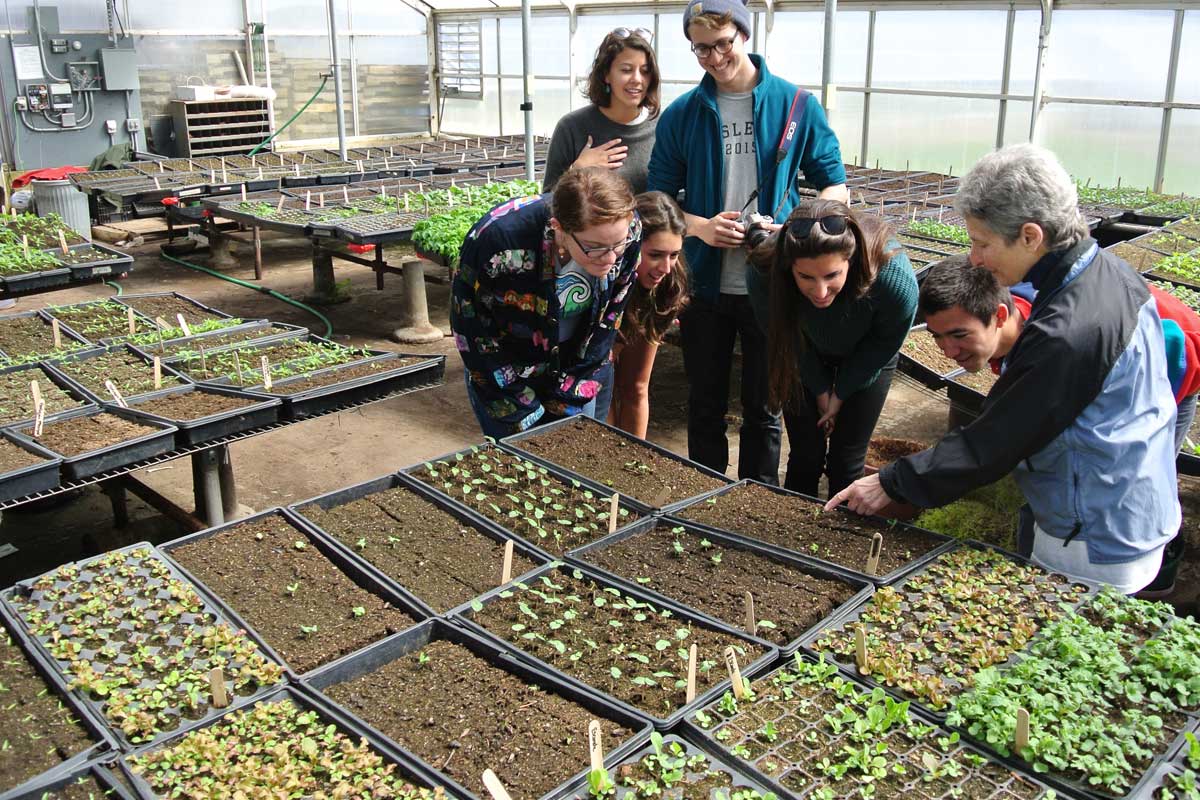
462, 616
400, 480
107, 781
113, 456
963, 396
117, 263
126, 298
514, 443
37, 371
271, 331
947, 544
312, 402
35, 281
406, 642
915, 369
48, 312
255, 349
311, 701
376, 228
214, 426
863, 589
68, 336
52, 366
365, 579
34, 478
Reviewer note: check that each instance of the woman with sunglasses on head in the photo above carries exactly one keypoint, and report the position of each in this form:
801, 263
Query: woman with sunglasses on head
537, 296
658, 295
837, 295
616, 130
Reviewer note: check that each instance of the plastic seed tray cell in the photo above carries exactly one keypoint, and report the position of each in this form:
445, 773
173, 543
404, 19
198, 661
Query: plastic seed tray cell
380, 223
137, 642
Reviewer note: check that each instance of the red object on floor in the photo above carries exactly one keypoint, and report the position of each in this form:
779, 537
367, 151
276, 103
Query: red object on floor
360, 248
48, 174
170, 201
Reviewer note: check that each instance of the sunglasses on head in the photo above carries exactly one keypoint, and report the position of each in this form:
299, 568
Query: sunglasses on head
625, 33
801, 227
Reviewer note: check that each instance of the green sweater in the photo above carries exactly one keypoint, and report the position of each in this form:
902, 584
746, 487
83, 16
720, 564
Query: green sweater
861, 335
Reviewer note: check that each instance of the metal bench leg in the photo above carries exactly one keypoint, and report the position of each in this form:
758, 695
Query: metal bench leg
417, 328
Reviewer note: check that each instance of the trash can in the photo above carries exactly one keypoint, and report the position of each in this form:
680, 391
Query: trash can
62, 198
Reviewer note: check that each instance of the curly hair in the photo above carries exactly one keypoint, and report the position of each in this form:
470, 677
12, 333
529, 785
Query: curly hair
586, 196
613, 45
651, 311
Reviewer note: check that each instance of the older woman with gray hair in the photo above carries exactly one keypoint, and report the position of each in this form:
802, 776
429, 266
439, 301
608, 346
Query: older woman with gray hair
1083, 411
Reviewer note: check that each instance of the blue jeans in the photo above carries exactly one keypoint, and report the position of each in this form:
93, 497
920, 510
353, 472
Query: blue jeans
1183, 420
605, 395
497, 431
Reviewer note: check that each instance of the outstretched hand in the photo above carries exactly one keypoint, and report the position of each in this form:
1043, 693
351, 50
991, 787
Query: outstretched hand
865, 496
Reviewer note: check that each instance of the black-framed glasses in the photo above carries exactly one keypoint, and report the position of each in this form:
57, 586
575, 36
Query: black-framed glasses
801, 227
625, 33
722, 46
603, 250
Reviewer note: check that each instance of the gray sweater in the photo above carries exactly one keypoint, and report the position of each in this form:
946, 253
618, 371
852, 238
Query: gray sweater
572, 131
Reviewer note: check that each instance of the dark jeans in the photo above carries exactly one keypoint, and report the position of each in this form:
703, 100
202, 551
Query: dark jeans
708, 332
840, 456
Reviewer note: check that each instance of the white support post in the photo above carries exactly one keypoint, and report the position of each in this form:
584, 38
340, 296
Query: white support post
1038, 75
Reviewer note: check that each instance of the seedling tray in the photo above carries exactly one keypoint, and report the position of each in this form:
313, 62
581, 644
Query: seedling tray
863, 589
947, 543
140, 320
963, 396
304, 700
915, 369
35, 281
363, 578
515, 442
848, 620
122, 567
375, 228
213, 426
400, 480
253, 351
258, 332
38, 790
414, 639
114, 263
312, 402
69, 337
113, 456
201, 308
34, 478
57, 368
464, 617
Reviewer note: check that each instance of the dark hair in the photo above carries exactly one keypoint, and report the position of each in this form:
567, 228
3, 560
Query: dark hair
651, 311
955, 282
597, 89
587, 196
863, 244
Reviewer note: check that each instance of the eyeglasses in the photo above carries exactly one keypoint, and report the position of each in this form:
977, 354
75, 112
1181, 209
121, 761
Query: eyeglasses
599, 252
801, 227
722, 46
625, 33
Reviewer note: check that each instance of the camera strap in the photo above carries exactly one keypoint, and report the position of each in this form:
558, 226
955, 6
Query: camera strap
790, 128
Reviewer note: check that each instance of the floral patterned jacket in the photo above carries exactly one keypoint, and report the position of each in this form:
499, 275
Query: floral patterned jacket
504, 312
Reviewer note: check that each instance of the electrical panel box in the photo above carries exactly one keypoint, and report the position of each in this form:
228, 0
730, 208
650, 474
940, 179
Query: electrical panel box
119, 68
84, 76
60, 97
38, 97
67, 120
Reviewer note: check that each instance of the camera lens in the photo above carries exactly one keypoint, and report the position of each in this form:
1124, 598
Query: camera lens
756, 235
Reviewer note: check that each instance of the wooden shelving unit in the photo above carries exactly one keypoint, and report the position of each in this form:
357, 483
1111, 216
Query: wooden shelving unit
219, 127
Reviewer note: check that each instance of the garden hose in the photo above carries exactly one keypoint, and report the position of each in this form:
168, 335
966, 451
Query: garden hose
267, 140
265, 290
116, 286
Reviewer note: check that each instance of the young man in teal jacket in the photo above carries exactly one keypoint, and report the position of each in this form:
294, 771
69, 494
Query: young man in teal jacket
738, 140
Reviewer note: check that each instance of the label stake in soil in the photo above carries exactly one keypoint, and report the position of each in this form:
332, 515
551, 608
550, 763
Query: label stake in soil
62, 242
266, 372
116, 394
307, 201
132, 322
183, 326
157, 372
279, 205
1022, 734
595, 746
751, 622
735, 672
39, 408
860, 648
25, 245
203, 361
216, 682
612, 512
873, 556
506, 569
56, 331
494, 786
691, 679
237, 363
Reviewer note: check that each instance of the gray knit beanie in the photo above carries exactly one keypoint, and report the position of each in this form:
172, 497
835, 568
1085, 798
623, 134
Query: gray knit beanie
737, 8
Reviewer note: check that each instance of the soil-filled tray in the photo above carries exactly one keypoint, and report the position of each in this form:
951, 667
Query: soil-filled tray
100, 319
290, 357
170, 304
25, 468
461, 704
1189, 226
86, 782
35, 280
292, 588
611, 640
921, 358
711, 574
40, 231
29, 337
1140, 258
92, 260
610, 457
978, 383
1168, 782
1109, 691
794, 524
286, 739
128, 369
534, 502
45, 732
214, 335
439, 553
1181, 268
136, 642
91, 441
16, 396
1189, 297
807, 730
203, 414
928, 637
1166, 241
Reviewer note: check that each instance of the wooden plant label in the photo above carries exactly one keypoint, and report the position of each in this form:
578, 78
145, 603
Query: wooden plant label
266, 373
279, 205
506, 568
39, 407
860, 648
1022, 734
237, 363
307, 201
691, 678
161, 324
494, 786
157, 185
595, 746
260, 173
62, 242
25, 244
297, 166
243, 192
345, 193
183, 326
129, 318
203, 360
56, 332
116, 394
751, 622
157, 372
613, 508
216, 682
735, 672
873, 556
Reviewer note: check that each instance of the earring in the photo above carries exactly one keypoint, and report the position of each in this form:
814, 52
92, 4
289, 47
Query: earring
607, 89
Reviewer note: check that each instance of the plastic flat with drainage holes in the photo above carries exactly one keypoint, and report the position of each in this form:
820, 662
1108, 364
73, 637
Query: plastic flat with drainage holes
188, 432
148, 445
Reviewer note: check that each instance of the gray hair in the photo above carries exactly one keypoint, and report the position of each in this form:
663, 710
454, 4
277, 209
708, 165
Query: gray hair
1018, 184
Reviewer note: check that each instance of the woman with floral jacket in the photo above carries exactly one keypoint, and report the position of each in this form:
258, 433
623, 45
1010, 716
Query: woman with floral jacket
537, 298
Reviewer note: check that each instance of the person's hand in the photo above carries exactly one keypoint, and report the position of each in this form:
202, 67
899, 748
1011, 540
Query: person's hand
723, 230
828, 405
865, 496
611, 154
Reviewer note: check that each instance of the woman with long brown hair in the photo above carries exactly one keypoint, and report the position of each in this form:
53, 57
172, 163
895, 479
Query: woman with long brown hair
837, 295
658, 295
